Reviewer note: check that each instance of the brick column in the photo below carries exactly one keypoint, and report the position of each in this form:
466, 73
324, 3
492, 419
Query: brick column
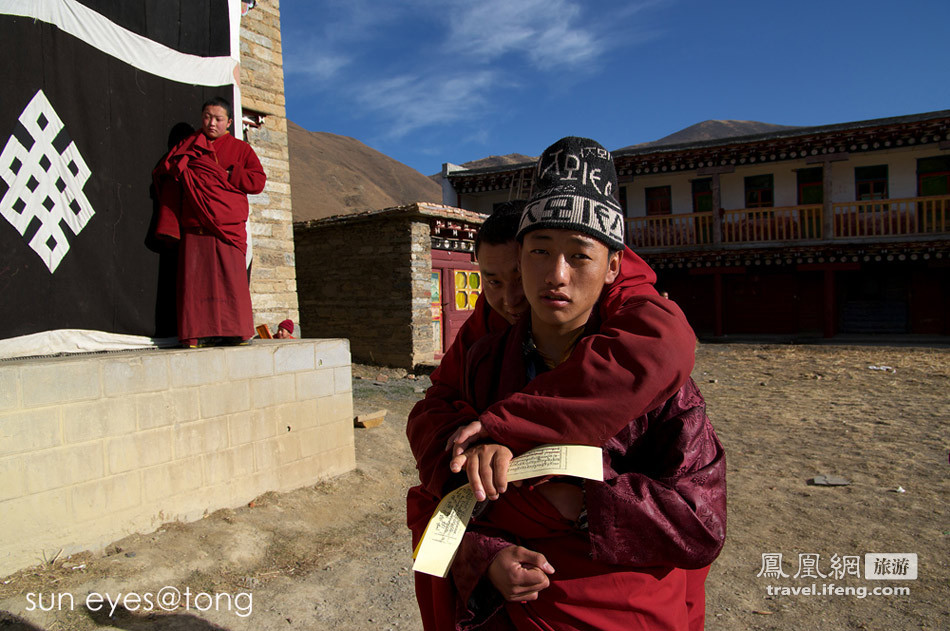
273, 275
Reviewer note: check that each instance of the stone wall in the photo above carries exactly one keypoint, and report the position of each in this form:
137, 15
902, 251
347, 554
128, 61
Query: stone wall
273, 279
420, 264
368, 280
93, 448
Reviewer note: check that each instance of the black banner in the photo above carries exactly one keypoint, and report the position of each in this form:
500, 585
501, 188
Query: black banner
80, 132
195, 27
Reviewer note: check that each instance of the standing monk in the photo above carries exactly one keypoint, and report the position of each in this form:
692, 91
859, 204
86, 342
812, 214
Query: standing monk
202, 187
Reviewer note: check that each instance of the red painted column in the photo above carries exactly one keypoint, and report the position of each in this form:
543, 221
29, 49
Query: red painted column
830, 308
717, 292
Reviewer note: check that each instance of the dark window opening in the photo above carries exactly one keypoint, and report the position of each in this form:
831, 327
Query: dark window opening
810, 185
933, 176
659, 200
702, 195
870, 182
759, 191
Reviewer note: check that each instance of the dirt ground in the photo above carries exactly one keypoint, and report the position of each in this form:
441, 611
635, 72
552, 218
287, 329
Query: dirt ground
336, 555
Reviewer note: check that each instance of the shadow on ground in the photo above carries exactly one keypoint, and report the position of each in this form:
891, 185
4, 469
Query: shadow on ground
125, 619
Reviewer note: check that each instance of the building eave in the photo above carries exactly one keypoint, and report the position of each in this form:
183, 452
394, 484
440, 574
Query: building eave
417, 209
810, 143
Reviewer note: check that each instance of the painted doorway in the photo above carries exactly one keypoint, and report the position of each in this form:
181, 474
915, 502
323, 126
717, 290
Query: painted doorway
459, 287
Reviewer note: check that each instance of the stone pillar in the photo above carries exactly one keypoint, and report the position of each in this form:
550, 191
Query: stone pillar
717, 215
715, 172
273, 275
827, 210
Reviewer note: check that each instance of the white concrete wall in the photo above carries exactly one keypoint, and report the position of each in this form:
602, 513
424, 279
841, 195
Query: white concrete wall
483, 202
901, 170
93, 448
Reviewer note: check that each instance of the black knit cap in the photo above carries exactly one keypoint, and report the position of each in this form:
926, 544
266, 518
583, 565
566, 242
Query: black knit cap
574, 185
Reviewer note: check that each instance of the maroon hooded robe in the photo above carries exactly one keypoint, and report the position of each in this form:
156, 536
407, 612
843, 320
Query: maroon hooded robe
644, 340
202, 188
659, 512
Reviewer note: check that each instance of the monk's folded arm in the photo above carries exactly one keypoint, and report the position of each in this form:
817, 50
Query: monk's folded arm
432, 422
435, 418
478, 600
643, 353
248, 177
674, 515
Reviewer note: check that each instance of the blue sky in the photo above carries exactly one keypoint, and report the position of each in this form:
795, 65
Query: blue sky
433, 81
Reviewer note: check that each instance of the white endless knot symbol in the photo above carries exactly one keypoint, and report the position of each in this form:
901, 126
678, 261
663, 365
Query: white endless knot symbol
45, 180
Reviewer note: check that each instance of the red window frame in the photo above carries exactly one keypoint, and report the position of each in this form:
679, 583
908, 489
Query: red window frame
760, 191
869, 183
702, 195
811, 178
935, 169
659, 200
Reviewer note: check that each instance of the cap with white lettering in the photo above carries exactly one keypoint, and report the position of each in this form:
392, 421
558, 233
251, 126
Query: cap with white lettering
574, 182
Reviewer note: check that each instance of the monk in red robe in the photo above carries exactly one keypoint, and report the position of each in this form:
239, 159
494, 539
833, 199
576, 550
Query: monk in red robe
202, 188
651, 336
641, 353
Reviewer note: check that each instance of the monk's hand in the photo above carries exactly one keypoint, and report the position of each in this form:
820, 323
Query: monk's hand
519, 574
463, 437
179, 166
486, 466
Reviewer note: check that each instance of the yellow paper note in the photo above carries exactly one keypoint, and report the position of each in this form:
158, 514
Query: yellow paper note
443, 534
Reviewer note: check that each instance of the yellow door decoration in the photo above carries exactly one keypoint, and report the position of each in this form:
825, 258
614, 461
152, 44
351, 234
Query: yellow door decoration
467, 289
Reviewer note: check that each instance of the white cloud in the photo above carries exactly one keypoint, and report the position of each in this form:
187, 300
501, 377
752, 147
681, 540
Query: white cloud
410, 102
549, 33
317, 65
328, 37
436, 63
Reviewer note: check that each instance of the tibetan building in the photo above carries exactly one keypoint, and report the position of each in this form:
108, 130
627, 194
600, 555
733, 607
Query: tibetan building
398, 282
807, 231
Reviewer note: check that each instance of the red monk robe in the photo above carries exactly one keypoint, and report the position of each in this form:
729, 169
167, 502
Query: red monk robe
660, 508
644, 339
649, 348
202, 188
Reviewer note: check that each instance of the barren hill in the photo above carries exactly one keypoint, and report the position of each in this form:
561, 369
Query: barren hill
490, 161
335, 175
498, 161
713, 130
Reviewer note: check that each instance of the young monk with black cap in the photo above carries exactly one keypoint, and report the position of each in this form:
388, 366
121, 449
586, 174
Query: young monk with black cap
574, 220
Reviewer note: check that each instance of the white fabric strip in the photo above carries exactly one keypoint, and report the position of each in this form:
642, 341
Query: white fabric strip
77, 341
234, 13
135, 50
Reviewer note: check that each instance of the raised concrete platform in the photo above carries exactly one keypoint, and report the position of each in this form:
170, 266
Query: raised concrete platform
95, 447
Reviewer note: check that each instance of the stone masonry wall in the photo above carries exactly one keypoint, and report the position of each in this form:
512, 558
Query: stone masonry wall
420, 264
273, 278
93, 448
368, 282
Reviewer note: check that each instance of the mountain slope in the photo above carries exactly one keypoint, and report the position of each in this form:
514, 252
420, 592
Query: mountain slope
490, 161
498, 161
335, 175
713, 130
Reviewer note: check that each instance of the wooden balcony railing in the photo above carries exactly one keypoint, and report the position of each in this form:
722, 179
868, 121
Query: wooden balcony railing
887, 217
670, 230
914, 216
771, 224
